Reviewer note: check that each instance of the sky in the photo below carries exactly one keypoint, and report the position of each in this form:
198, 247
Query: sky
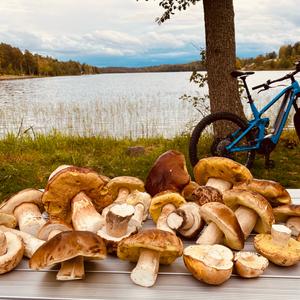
124, 32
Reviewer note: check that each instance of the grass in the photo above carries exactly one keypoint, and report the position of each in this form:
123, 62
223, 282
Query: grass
27, 162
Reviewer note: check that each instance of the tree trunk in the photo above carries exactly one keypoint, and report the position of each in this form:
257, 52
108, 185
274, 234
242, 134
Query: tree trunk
221, 56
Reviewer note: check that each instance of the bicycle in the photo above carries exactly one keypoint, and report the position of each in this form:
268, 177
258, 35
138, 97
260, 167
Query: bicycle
226, 134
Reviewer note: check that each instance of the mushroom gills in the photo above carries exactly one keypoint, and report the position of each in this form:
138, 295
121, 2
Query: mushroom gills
146, 270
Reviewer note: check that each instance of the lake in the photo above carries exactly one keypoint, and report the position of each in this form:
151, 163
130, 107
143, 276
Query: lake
119, 105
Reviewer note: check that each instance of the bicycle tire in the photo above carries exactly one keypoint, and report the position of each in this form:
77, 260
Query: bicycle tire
208, 120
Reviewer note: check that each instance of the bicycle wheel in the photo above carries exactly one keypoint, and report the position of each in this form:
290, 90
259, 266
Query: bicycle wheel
214, 132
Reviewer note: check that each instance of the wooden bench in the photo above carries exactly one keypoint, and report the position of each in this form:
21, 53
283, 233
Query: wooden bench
109, 279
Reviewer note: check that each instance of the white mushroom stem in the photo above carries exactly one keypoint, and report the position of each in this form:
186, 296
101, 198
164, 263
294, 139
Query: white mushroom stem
145, 272
117, 219
31, 243
174, 220
3, 243
72, 269
84, 215
219, 184
280, 234
294, 224
29, 218
122, 195
211, 235
137, 218
162, 220
247, 219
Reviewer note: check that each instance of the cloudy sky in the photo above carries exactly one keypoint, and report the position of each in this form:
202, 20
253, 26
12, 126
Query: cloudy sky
124, 32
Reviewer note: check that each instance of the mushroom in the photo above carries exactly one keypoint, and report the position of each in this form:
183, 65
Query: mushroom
222, 226
249, 264
65, 184
211, 264
149, 248
221, 173
11, 251
187, 192
120, 187
169, 172
278, 246
53, 227
289, 213
25, 207
8, 220
117, 225
186, 220
66, 246
162, 205
273, 191
204, 194
251, 209
84, 215
141, 202
31, 243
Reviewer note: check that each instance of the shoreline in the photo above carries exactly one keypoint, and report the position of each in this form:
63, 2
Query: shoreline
18, 77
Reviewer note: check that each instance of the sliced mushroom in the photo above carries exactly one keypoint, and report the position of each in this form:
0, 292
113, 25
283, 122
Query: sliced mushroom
149, 248
294, 224
11, 251
250, 264
211, 264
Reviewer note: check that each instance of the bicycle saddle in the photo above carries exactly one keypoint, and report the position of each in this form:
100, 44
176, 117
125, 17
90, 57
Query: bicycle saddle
237, 73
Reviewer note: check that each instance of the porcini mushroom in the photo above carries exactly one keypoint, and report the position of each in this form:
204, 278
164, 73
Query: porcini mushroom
211, 264
278, 246
250, 264
66, 246
251, 209
8, 220
186, 220
11, 251
149, 248
223, 226
169, 173
25, 206
53, 227
65, 184
162, 205
204, 194
188, 190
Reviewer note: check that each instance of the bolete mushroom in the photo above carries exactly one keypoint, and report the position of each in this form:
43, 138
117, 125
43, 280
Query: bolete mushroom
168, 173
149, 248
211, 264
186, 220
162, 205
65, 184
252, 210
278, 246
11, 251
273, 191
223, 226
221, 173
53, 227
8, 220
187, 191
66, 246
204, 194
250, 264
25, 206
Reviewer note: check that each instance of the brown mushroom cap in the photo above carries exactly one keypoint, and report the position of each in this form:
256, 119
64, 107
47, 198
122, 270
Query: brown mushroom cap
283, 212
161, 199
279, 255
168, 173
223, 168
168, 244
51, 225
67, 183
205, 194
14, 253
25, 196
198, 260
67, 245
235, 197
273, 191
225, 219
8, 220
188, 190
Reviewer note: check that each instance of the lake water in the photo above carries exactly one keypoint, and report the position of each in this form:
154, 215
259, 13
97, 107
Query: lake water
118, 105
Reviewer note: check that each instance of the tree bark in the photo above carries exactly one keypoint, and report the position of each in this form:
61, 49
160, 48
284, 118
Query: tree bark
221, 56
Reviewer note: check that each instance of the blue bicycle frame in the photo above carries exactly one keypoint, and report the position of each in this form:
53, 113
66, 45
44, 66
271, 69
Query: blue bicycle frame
291, 93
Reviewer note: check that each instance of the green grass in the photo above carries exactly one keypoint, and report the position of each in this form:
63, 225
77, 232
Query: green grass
27, 162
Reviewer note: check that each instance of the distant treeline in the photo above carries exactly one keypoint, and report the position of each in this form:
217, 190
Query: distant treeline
14, 62
284, 59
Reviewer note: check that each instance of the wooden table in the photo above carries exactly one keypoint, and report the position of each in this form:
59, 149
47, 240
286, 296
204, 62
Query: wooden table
109, 279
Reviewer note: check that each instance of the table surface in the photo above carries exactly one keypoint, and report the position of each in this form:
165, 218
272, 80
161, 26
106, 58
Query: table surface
110, 279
